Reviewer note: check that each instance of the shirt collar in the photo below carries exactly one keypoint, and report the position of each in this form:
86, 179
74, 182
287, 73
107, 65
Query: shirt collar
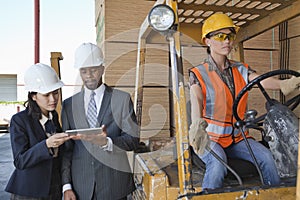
98, 91
44, 119
212, 65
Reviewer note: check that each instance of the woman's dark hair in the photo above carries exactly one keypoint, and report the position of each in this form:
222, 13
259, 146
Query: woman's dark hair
208, 50
212, 33
33, 108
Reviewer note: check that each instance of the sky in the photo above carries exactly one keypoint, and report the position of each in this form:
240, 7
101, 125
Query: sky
64, 25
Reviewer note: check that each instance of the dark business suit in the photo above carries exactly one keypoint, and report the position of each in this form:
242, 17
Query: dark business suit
86, 166
35, 166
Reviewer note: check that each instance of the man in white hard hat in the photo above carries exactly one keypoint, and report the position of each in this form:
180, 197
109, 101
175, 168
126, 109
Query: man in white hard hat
96, 166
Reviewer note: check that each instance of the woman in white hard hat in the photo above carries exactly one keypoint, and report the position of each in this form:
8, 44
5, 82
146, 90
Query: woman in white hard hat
214, 85
36, 139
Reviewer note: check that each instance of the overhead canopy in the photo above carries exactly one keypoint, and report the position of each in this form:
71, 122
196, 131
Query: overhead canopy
253, 16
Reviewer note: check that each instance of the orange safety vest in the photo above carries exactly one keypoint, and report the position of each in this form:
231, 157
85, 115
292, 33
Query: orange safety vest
218, 102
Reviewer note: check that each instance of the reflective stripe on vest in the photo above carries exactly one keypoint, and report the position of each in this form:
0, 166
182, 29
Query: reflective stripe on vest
218, 101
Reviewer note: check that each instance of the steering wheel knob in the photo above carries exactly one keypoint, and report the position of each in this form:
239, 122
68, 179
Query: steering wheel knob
250, 115
239, 124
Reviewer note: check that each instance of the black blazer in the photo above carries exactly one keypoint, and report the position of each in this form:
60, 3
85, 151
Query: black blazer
32, 160
85, 165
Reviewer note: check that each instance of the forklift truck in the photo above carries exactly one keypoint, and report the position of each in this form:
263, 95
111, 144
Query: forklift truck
174, 172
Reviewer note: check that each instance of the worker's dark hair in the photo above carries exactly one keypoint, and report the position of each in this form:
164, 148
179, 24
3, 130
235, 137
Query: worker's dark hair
208, 50
33, 108
212, 33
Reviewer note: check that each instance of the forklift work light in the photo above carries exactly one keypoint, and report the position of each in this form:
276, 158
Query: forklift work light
161, 17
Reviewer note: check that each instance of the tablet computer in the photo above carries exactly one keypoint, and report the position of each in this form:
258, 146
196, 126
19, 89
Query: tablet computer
85, 131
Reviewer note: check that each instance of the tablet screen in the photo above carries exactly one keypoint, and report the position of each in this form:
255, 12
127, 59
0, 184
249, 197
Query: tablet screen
85, 131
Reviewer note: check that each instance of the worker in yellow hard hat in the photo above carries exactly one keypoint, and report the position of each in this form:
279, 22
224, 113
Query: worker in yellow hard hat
214, 85
216, 22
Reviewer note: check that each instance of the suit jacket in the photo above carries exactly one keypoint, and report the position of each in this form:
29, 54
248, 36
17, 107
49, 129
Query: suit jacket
32, 160
87, 166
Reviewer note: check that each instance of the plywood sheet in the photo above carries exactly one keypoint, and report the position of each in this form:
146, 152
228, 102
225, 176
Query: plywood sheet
155, 113
294, 28
123, 16
267, 40
262, 61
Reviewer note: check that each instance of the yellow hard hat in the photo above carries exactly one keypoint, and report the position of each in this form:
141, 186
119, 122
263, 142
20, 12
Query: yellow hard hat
216, 22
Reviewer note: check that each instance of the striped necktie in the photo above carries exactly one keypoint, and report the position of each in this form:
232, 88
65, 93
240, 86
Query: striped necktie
92, 111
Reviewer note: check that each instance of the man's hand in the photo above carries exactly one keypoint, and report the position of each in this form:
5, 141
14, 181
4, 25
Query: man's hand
69, 195
289, 85
99, 139
198, 136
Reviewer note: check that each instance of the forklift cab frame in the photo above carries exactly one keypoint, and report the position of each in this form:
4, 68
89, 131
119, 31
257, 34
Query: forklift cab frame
152, 182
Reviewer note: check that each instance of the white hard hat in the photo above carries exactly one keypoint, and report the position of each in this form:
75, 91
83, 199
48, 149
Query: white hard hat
41, 78
88, 55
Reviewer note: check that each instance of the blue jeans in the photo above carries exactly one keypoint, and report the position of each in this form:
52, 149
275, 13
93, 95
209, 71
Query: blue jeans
216, 171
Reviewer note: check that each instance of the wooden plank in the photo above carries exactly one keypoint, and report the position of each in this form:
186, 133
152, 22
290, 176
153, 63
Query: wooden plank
294, 27
294, 64
155, 109
266, 40
262, 61
120, 63
122, 16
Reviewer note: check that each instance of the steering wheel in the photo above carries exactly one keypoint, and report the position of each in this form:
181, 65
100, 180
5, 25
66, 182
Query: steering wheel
291, 103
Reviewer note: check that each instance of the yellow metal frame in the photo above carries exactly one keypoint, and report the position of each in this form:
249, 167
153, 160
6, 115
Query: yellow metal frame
55, 58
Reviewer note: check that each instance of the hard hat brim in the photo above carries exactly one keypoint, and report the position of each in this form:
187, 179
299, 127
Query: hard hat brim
56, 86
236, 28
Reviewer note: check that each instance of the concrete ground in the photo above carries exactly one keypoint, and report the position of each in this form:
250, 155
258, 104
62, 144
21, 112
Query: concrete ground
6, 164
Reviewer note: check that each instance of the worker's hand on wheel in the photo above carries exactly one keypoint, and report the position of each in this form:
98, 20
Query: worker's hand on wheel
198, 136
289, 85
